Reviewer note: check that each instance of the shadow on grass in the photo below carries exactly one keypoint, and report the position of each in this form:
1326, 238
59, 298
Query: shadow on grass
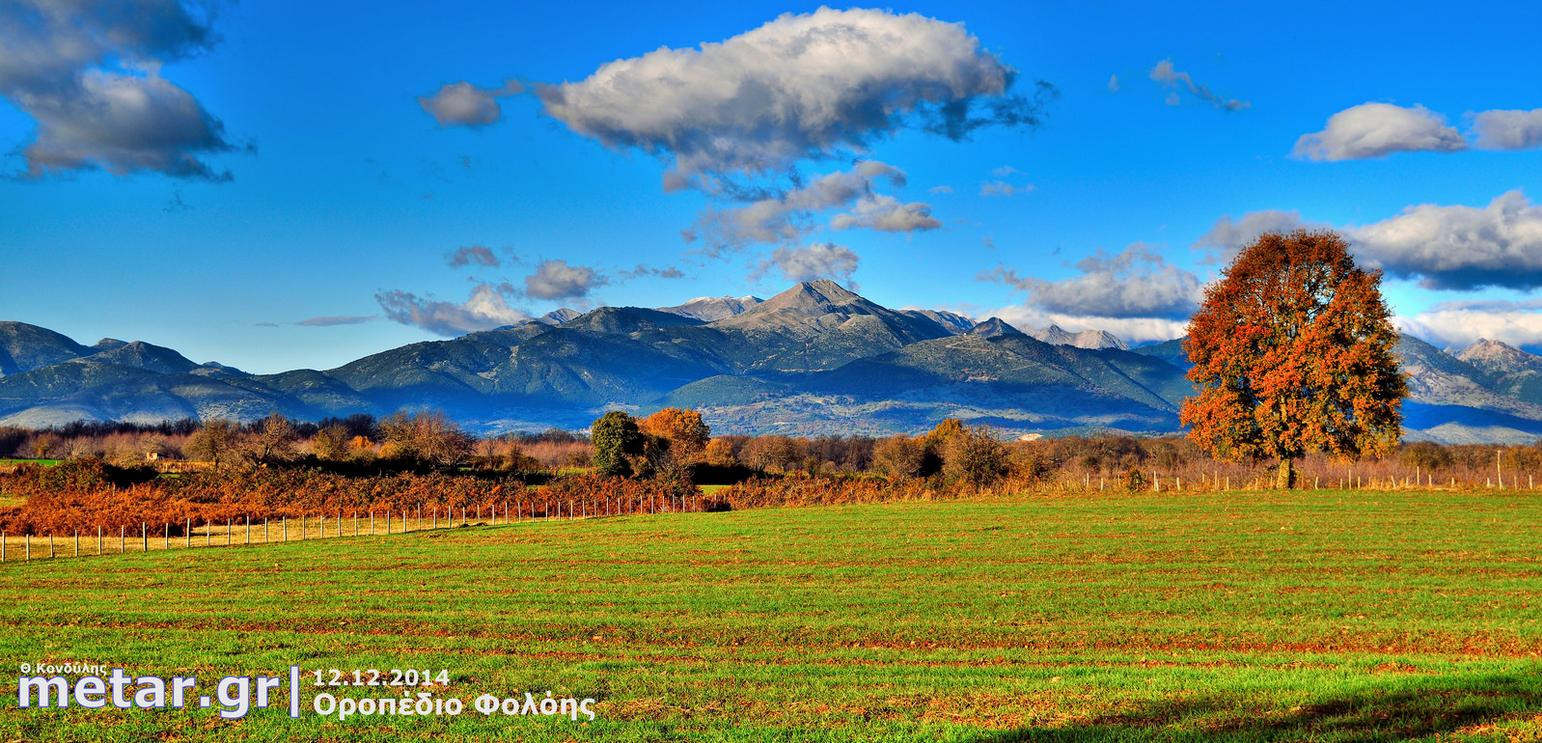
1414, 708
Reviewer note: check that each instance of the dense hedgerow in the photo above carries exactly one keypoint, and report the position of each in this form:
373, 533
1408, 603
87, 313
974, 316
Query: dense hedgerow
86, 494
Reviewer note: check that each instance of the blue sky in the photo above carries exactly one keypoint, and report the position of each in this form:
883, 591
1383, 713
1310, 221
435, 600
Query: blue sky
346, 197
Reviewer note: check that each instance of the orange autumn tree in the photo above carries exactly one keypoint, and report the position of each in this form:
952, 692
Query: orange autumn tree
684, 429
1293, 353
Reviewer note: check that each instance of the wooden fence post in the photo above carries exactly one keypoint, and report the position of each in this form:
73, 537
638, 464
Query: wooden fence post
144, 536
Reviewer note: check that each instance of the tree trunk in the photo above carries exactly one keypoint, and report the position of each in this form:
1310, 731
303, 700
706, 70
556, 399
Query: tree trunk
1285, 477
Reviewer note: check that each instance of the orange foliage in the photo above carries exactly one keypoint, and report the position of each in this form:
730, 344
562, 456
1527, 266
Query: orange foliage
1293, 354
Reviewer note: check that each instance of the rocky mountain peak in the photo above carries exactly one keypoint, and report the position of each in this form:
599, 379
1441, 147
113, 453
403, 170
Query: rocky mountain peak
1494, 352
995, 327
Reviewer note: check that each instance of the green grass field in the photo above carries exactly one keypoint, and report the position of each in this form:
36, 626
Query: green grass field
1328, 615
10, 461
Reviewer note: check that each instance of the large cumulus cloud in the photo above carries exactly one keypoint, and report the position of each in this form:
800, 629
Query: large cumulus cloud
1442, 246
800, 86
88, 73
1459, 247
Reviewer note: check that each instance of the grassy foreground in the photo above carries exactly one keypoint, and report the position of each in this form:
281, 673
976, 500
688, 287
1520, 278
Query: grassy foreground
1328, 615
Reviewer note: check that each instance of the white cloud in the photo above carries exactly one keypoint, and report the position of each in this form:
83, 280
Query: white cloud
1134, 329
468, 255
1518, 323
641, 270
1459, 247
1164, 73
817, 261
556, 279
1228, 237
1113, 83
1136, 283
1377, 129
801, 85
88, 73
464, 104
327, 321
1444, 247
1508, 130
1002, 188
885, 213
787, 216
485, 309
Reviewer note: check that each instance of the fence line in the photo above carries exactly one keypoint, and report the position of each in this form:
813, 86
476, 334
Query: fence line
394, 522
536, 510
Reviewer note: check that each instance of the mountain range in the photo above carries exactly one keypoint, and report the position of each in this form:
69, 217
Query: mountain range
814, 359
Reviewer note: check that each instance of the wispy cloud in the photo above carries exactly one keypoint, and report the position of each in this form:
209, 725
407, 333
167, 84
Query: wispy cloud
1164, 73
1135, 283
817, 261
327, 321
787, 216
485, 309
1005, 189
479, 255
666, 272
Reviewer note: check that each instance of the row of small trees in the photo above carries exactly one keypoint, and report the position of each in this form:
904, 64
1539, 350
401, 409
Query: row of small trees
427, 438
670, 442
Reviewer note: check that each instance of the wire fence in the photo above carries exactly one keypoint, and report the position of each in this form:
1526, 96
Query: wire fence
249, 532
